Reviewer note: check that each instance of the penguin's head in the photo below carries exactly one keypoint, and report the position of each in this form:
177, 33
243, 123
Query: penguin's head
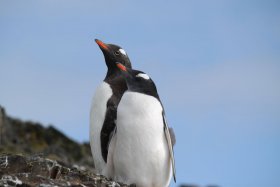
112, 54
138, 81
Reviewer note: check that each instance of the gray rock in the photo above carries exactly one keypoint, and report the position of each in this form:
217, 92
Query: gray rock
19, 170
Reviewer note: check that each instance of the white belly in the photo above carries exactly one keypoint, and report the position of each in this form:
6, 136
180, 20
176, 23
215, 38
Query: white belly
97, 115
140, 153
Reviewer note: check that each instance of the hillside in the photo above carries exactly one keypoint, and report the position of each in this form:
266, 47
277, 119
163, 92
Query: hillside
28, 137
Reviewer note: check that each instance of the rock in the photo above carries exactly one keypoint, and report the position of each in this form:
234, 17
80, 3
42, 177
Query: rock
19, 170
194, 185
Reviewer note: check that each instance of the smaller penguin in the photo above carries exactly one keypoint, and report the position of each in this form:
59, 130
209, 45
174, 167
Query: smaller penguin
141, 150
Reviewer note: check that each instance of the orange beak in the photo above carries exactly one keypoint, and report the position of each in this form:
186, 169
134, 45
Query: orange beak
101, 44
121, 67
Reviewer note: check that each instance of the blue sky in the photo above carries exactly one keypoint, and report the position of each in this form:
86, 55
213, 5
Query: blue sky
216, 65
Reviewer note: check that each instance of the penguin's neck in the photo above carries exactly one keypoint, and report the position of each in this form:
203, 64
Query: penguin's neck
144, 89
112, 72
116, 82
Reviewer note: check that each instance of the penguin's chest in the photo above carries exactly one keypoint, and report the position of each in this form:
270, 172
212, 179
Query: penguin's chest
97, 116
139, 117
140, 139
98, 108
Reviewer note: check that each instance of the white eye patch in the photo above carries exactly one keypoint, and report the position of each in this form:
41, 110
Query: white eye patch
143, 75
122, 51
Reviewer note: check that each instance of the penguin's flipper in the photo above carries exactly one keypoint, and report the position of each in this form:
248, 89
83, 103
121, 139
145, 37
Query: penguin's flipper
172, 135
170, 146
108, 128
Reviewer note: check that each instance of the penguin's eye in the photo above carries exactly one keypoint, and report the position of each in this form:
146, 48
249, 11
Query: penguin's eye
117, 53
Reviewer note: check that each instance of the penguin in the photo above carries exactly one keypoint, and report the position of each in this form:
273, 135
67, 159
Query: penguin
141, 150
105, 102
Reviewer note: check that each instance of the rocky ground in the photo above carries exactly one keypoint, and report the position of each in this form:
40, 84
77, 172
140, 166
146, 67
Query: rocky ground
19, 170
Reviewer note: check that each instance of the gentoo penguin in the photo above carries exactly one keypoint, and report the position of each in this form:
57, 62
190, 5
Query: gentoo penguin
140, 151
105, 102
